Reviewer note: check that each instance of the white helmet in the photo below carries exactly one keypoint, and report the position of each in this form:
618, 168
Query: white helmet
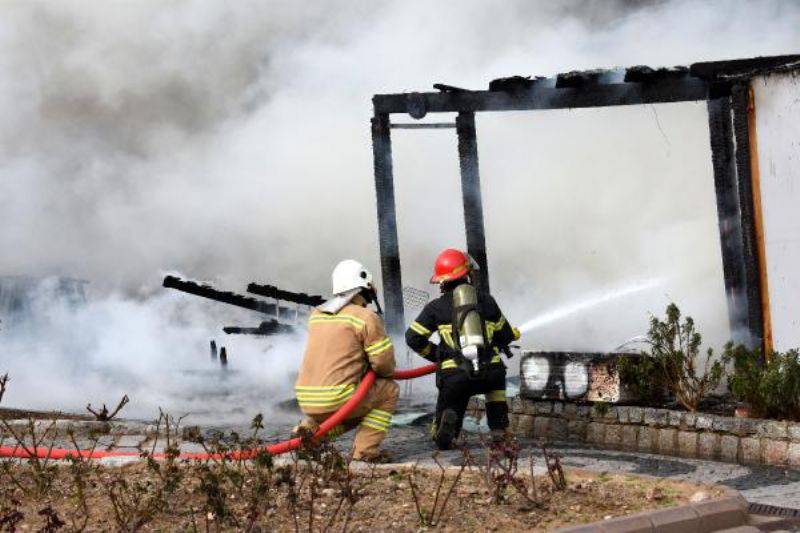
350, 274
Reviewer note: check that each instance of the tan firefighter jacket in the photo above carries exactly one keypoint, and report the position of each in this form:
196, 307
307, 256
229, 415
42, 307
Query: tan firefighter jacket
339, 350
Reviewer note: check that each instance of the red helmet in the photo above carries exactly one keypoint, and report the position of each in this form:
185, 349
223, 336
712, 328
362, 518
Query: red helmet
451, 264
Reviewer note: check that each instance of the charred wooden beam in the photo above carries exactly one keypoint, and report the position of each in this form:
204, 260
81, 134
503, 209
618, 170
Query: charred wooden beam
246, 302
271, 291
268, 327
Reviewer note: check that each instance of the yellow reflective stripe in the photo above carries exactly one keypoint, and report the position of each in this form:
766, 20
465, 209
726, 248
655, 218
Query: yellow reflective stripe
500, 323
446, 332
496, 359
314, 388
346, 319
380, 414
496, 396
426, 350
448, 363
379, 347
419, 328
324, 396
372, 425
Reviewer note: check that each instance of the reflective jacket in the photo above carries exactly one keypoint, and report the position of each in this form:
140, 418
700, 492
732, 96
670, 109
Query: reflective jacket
340, 349
437, 317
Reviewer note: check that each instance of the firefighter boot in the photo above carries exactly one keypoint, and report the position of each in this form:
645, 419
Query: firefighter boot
446, 429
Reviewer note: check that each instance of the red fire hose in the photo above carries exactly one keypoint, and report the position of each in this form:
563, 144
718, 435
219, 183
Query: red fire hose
275, 449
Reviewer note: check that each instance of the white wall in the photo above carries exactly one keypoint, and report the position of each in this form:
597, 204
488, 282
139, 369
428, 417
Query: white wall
777, 99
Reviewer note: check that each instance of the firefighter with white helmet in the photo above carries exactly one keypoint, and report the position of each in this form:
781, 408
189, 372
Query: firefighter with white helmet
345, 338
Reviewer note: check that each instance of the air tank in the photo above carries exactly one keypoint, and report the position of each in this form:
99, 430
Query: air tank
470, 333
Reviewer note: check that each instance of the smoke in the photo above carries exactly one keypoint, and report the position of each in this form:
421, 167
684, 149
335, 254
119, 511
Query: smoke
230, 141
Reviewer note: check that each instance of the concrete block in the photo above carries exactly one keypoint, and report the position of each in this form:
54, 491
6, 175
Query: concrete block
557, 429
674, 418
794, 432
528, 406
750, 450
524, 425
776, 452
613, 438
723, 513
689, 420
515, 405
635, 415
687, 443
746, 426
541, 427
725, 424
655, 417
630, 436
628, 524
773, 429
558, 408
576, 430
623, 414
708, 445
682, 519
666, 440
570, 410
542, 408
584, 411
729, 448
794, 454
704, 421
595, 433
646, 442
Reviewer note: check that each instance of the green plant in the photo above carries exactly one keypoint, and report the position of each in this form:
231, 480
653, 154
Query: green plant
644, 378
675, 348
771, 387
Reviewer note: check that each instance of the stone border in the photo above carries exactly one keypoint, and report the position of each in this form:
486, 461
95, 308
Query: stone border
663, 431
717, 514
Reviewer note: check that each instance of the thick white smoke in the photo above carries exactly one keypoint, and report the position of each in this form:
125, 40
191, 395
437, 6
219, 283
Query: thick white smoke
231, 141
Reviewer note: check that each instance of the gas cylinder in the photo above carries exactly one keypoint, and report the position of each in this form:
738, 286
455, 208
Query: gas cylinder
468, 320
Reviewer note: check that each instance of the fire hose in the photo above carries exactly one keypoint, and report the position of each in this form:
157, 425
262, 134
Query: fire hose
25, 452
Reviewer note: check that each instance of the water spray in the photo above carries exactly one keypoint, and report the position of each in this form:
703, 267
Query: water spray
587, 303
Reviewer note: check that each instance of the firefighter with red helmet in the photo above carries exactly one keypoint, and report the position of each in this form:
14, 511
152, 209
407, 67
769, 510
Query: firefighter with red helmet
472, 333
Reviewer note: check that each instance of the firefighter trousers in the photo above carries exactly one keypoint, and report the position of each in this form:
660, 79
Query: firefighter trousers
373, 417
456, 388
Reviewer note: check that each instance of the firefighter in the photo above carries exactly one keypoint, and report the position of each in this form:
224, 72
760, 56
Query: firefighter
463, 371
345, 338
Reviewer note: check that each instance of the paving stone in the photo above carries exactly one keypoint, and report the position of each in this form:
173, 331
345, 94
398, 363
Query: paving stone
687, 443
595, 433
130, 441
655, 417
630, 434
666, 440
613, 438
704, 421
750, 450
674, 418
726, 424
627, 524
542, 408
646, 442
773, 429
776, 452
708, 445
525, 425
635, 415
689, 420
576, 430
724, 513
794, 454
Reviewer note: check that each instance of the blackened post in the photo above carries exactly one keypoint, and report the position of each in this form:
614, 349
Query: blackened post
213, 350
387, 224
730, 218
741, 132
471, 192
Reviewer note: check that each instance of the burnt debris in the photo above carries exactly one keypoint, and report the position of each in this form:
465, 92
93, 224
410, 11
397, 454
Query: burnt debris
268, 327
271, 291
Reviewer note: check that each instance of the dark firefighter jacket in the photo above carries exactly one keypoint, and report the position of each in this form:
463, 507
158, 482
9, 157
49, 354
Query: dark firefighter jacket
437, 316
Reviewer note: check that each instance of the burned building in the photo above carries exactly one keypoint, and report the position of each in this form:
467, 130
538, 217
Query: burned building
756, 170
